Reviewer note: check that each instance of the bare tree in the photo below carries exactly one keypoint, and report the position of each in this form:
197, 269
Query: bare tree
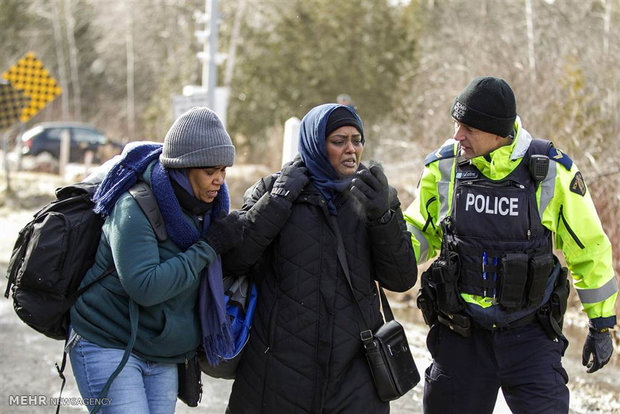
131, 115
60, 57
531, 55
234, 41
73, 60
607, 34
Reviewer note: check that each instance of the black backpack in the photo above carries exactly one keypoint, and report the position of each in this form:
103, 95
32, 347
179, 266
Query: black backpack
54, 251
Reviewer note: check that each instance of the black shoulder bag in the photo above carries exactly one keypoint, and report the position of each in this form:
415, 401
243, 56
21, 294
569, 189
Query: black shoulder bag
387, 349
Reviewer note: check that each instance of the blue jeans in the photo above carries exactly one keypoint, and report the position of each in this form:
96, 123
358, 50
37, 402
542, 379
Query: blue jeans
141, 387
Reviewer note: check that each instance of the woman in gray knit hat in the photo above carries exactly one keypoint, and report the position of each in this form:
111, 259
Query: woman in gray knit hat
132, 328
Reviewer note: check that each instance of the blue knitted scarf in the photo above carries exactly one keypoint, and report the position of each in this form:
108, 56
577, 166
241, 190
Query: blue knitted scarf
216, 332
123, 175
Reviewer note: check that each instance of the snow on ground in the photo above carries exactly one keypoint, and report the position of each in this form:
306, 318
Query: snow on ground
28, 357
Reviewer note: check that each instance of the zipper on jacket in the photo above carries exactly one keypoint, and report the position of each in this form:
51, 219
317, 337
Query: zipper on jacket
529, 218
570, 231
272, 325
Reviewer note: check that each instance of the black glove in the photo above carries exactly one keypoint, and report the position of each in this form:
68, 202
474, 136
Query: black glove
598, 345
225, 233
370, 187
293, 178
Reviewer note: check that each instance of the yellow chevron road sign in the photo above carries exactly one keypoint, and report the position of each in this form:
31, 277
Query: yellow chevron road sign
30, 76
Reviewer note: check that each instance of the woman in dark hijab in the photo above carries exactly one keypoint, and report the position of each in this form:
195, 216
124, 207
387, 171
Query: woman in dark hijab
305, 353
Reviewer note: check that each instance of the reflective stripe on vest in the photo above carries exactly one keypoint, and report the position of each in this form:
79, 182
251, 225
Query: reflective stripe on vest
444, 186
547, 188
422, 240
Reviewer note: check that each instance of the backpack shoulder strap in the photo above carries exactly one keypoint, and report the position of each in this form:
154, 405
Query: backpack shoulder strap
143, 195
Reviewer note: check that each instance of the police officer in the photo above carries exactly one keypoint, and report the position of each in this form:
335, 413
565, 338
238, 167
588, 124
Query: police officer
492, 201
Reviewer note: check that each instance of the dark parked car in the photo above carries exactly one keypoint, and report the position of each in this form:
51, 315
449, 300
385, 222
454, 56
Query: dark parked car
45, 138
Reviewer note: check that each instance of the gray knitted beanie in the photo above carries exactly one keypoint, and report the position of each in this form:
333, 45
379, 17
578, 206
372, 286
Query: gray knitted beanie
197, 139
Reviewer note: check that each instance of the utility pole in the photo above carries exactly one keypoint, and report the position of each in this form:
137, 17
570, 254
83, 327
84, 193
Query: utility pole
207, 93
209, 50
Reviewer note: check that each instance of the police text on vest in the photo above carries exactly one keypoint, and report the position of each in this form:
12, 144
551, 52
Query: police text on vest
503, 206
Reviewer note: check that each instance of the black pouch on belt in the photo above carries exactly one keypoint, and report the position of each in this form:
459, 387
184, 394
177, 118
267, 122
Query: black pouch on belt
559, 297
445, 274
427, 304
513, 280
539, 269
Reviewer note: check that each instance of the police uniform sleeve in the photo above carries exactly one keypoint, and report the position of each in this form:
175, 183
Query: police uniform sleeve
423, 214
572, 217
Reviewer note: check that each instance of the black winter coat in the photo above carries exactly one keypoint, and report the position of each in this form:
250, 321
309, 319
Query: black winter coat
305, 353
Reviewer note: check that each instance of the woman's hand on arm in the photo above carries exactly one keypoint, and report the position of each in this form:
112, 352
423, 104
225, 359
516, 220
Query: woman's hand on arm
225, 233
263, 215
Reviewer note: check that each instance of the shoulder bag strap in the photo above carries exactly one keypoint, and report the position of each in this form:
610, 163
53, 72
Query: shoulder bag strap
366, 334
342, 258
385, 305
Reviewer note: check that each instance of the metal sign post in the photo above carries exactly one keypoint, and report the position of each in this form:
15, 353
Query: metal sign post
5, 149
65, 149
12, 103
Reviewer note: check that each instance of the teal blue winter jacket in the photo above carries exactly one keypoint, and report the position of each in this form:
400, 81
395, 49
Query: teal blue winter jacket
160, 278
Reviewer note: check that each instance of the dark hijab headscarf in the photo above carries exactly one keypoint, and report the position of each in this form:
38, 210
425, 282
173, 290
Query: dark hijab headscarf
313, 152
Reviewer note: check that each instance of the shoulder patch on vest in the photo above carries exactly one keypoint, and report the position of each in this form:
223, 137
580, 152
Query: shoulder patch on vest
578, 185
561, 158
446, 151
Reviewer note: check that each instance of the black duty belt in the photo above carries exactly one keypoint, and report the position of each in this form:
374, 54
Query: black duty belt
526, 320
